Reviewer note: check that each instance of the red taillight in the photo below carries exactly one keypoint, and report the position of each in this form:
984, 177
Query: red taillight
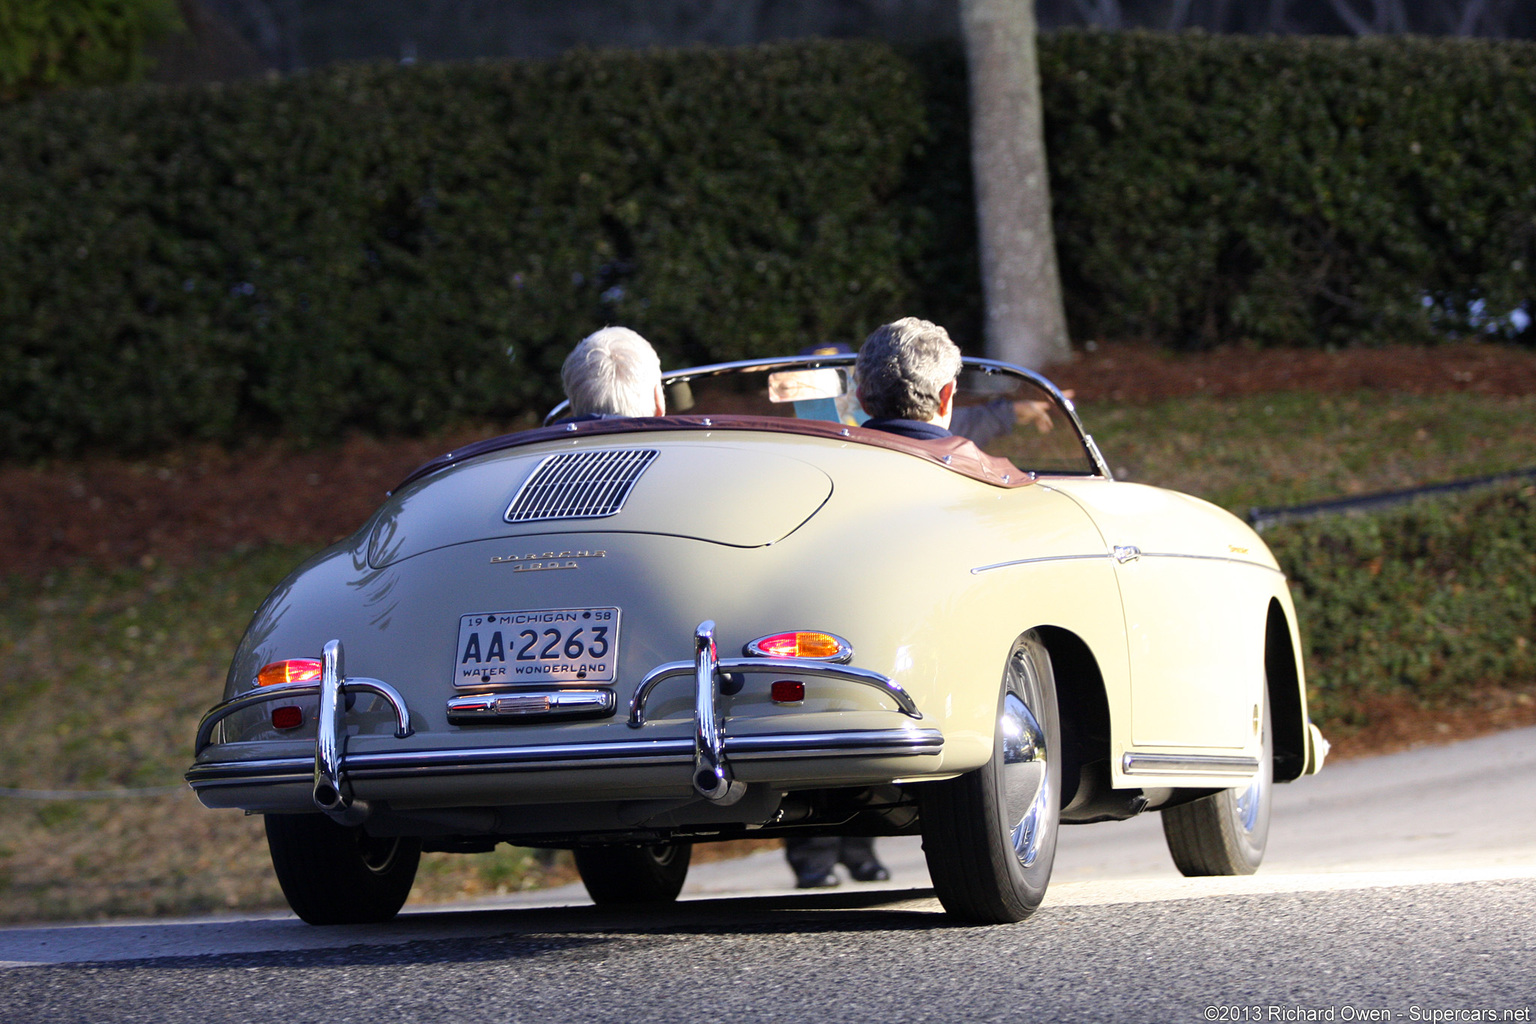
801, 643
294, 670
787, 691
287, 717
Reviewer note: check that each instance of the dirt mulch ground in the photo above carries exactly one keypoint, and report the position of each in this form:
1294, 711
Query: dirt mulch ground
117, 512
1394, 722
1143, 372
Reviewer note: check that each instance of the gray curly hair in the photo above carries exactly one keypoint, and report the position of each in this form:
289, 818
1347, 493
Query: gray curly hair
613, 370
902, 368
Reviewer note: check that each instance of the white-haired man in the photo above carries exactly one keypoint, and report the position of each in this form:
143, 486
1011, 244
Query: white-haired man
611, 373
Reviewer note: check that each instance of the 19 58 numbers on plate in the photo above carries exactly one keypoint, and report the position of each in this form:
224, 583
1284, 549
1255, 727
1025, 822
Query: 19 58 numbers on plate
538, 646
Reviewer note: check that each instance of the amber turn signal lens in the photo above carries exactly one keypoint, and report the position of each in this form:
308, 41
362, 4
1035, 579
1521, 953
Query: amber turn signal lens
287, 717
801, 643
295, 670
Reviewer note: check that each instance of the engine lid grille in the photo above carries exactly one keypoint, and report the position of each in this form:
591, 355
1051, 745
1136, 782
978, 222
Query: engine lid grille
580, 485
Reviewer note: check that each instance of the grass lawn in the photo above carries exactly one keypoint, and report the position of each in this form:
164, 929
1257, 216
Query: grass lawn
104, 675
1294, 447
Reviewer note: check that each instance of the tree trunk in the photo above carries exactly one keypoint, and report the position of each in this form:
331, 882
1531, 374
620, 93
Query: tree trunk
1024, 323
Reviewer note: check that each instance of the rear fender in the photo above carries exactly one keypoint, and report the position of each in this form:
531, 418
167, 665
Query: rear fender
1287, 696
1083, 706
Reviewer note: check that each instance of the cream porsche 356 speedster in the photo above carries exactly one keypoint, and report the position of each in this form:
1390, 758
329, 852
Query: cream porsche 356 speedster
757, 618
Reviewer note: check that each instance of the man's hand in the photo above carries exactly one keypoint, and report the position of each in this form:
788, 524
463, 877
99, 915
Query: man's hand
1036, 411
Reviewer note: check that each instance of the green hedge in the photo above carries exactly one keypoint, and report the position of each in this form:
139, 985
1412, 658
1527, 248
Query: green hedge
1432, 599
57, 44
368, 246
1290, 191
364, 247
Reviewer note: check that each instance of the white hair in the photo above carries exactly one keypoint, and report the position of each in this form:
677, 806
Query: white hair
613, 370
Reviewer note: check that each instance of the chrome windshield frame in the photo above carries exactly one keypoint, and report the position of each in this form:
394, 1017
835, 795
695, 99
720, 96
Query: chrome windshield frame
848, 360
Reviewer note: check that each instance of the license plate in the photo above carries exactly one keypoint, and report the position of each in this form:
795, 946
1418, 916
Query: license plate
546, 645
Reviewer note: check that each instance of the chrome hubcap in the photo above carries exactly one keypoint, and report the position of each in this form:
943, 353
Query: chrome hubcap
1248, 805
1252, 799
1251, 802
1025, 789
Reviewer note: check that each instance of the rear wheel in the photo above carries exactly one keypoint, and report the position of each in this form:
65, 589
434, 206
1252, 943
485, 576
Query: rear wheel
633, 874
990, 835
333, 874
1225, 833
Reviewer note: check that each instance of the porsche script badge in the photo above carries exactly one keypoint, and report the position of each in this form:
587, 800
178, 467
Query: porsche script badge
547, 560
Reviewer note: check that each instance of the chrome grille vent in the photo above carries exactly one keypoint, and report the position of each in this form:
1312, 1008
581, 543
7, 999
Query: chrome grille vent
579, 485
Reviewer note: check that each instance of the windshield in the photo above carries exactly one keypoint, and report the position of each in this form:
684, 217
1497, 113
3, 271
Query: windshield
1004, 412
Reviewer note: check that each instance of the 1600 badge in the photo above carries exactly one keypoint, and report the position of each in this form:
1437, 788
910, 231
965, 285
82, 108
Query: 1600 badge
537, 646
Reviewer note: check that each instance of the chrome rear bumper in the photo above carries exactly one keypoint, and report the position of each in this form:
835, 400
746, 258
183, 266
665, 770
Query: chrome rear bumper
332, 771
561, 757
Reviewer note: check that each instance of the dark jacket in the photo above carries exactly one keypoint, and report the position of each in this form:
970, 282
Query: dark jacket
915, 429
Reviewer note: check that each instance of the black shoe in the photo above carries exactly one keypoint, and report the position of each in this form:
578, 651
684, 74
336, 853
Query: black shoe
825, 881
873, 871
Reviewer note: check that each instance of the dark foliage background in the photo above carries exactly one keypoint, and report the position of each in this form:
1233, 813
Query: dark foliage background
1432, 600
1301, 191
396, 249
60, 44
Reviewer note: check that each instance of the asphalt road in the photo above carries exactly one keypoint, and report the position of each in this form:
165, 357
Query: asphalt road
1399, 888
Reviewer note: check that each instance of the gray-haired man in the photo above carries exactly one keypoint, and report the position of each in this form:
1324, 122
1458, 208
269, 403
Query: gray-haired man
907, 372
907, 379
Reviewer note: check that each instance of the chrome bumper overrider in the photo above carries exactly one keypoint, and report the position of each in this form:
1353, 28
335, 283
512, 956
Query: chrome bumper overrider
331, 794
711, 776
710, 750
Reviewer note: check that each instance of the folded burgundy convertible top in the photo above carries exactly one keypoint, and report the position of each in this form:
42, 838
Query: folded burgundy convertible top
956, 454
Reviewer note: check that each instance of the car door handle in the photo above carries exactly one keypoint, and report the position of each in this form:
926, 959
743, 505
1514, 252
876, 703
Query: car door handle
1126, 553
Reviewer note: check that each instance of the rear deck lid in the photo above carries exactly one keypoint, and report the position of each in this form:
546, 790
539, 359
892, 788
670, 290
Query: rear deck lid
740, 495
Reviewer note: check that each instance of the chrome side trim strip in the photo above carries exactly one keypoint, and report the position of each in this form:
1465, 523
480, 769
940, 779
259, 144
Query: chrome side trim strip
554, 757
1123, 553
1211, 558
1044, 558
532, 704
773, 666
1188, 764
